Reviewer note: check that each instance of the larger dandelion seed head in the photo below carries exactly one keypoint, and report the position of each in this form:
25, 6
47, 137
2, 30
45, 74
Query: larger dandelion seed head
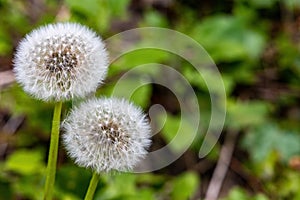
60, 61
106, 134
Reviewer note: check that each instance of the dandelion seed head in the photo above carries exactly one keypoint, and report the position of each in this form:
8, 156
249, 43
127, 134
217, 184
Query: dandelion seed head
107, 134
60, 61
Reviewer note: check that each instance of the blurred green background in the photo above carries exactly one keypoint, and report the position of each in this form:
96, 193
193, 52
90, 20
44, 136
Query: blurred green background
255, 45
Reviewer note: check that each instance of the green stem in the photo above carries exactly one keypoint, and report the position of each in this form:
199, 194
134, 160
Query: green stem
52, 157
92, 187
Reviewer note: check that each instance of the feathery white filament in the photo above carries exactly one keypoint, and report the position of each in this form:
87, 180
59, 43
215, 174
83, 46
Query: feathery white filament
60, 61
106, 134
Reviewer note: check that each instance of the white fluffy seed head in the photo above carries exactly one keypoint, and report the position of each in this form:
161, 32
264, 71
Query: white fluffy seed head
60, 61
106, 134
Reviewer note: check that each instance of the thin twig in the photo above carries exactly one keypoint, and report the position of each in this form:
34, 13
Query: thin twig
9, 129
221, 169
253, 182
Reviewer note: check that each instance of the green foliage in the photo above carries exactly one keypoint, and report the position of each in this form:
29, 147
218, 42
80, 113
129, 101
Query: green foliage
25, 162
155, 19
267, 138
122, 182
29, 166
184, 186
246, 114
227, 38
139, 57
270, 149
240, 194
67, 178
289, 185
97, 13
5, 190
30, 186
289, 57
176, 131
147, 186
5, 46
21, 103
141, 96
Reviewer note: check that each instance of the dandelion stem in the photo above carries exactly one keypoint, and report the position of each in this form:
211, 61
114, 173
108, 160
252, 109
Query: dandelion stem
52, 157
92, 187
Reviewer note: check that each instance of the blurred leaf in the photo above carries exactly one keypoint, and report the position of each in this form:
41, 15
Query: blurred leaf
243, 12
197, 79
140, 57
153, 18
66, 196
289, 57
141, 96
265, 139
89, 7
145, 194
132, 90
263, 3
68, 179
289, 185
25, 162
185, 186
119, 7
240, 194
237, 194
5, 190
292, 4
154, 180
38, 112
173, 127
30, 187
227, 38
118, 187
5, 43
246, 114
96, 13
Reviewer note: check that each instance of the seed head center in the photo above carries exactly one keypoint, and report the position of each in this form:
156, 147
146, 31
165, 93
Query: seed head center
114, 134
61, 61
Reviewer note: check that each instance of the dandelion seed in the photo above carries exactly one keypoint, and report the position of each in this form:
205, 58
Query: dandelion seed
107, 134
60, 61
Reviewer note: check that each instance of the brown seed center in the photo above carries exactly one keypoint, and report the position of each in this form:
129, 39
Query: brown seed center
61, 61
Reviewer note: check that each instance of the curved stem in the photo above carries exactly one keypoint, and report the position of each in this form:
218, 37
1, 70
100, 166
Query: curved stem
92, 187
52, 157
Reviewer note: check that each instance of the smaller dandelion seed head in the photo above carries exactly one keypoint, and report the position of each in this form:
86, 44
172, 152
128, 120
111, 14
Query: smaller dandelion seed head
107, 134
60, 61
